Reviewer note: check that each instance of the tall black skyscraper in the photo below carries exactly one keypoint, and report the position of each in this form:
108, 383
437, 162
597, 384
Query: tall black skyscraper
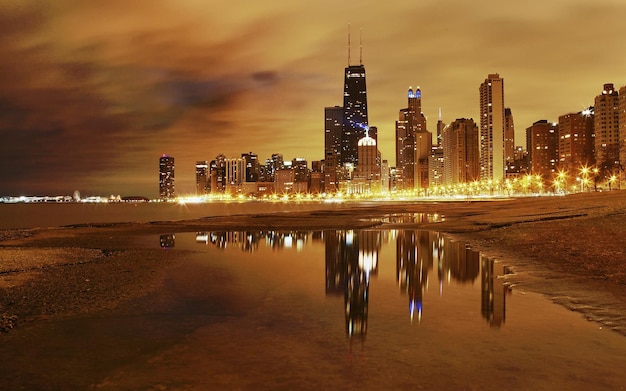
333, 130
355, 120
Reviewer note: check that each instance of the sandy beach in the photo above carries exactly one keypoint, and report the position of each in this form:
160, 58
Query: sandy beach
569, 248
103, 306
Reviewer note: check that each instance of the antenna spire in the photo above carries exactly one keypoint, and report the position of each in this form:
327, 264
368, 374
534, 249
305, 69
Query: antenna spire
360, 47
348, 44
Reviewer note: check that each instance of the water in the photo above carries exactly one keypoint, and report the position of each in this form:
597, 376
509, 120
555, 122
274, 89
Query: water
367, 310
60, 214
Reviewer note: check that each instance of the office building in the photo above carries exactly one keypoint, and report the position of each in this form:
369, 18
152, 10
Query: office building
606, 127
253, 168
355, 119
492, 124
235, 174
217, 174
166, 178
369, 166
202, 177
413, 143
333, 130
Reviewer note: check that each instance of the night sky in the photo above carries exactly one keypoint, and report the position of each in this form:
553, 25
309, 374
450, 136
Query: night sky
92, 93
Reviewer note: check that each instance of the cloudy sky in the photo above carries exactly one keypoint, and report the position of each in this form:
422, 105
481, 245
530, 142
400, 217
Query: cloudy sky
92, 93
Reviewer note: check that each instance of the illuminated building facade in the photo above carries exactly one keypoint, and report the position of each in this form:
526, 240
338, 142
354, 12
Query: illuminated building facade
202, 177
368, 170
333, 130
217, 174
543, 142
576, 140
606, 127
166, 178
253, 168
235, 173
274, 164
622, 127
413, 143
492, 162
355, 119
436, 166
460, 152
509, 136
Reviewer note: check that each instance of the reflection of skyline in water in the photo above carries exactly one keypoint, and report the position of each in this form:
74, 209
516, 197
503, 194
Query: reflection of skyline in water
352, 257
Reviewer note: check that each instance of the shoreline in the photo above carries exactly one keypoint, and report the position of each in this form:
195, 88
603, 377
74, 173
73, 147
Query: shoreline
570, 249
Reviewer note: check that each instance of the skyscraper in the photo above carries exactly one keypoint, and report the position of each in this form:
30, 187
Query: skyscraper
509, 136
576, 141
217, 173
492, 159
355, 120
252, 167
543, 142
606, 127
413, 142
460, 152
369, 166
622, 127
202, 177
333, 130
166, 177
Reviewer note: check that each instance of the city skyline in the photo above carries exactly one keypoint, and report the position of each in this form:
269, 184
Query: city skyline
89, 105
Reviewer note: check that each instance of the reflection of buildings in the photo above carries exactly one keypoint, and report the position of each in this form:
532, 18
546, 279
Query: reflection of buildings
167, 240
351, 258
493, 292
249, 240
416, 254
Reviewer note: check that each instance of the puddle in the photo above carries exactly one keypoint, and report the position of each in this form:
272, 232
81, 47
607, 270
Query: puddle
366, 309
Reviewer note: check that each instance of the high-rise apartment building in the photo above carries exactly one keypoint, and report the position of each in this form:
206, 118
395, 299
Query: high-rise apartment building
355, 120
166, 177
492, 124
606, 127
460, 152
543, 142
576, 141
622, 127
509, 136
436, 165
202, 177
